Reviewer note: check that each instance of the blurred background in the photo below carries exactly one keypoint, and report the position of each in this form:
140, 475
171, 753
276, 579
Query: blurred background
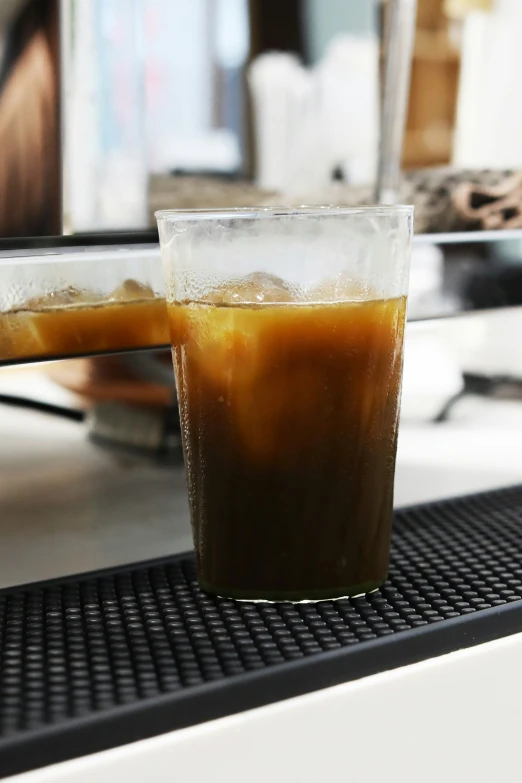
110, 109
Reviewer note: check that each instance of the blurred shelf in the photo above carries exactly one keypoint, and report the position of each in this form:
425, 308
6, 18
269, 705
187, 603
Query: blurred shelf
458, 237
64, 249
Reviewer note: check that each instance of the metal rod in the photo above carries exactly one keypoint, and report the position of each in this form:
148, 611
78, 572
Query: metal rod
399, 38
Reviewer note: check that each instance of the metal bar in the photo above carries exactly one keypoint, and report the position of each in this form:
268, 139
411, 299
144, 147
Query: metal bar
399, 35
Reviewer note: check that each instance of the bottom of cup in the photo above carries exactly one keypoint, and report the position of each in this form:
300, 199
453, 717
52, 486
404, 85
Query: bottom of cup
293, 596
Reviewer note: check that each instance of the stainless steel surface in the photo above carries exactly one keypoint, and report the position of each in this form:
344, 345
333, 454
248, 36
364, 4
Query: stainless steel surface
450, 273
461, 237
398, 50
67, 506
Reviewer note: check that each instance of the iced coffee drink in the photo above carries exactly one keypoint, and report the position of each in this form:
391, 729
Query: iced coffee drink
289, 401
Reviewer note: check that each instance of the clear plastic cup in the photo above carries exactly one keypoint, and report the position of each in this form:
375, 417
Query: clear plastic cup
287, 332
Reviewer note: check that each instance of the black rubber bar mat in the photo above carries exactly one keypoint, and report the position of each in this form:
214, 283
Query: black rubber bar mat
92, 662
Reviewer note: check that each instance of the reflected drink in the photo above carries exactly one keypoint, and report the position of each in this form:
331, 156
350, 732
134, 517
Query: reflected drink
74, 323
289, 414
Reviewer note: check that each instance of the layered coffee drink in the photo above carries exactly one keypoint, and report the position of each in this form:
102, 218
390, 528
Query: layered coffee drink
289, 416
71, 322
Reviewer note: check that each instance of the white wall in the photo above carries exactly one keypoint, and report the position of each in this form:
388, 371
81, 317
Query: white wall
326, 18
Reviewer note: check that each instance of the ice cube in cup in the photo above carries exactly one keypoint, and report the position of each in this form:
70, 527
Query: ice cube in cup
132, 290
342, 288
61, 297
255, 288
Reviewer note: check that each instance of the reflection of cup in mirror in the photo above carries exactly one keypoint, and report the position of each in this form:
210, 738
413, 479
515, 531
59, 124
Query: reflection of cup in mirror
118, 379
74, 323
